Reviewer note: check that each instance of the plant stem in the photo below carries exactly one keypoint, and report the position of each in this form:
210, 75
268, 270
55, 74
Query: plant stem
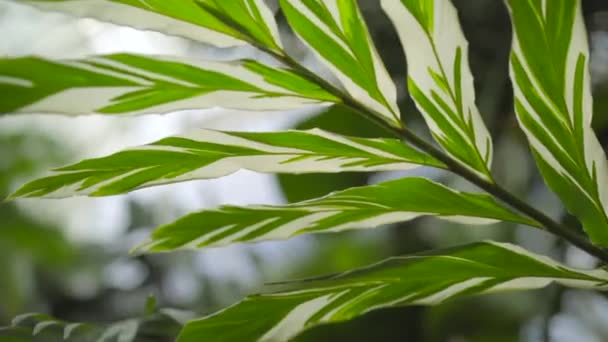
499, 192
347, 100
453, 165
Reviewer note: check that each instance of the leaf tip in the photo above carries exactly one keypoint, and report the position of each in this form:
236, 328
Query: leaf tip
17, 194
139, 250
146, 247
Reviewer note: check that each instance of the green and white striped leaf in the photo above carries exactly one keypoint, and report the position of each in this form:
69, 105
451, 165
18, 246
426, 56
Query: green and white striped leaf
549, 69
355, 208
440, 80
196, 20
425, 279
336, 31
165, 324
135, 84
206, 154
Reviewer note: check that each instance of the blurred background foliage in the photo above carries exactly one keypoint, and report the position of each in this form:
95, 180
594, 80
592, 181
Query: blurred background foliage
70, 259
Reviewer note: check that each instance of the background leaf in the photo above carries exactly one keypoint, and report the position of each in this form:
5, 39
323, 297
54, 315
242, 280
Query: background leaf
159, 325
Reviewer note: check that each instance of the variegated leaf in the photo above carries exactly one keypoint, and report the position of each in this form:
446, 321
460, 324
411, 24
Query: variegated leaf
549, 68
192, 19
354, 208
134, 84
164, 324
211, 154
423, 279
336, 31
440, 80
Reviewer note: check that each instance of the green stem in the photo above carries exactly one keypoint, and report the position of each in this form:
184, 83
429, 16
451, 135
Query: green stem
507, 197
347, 100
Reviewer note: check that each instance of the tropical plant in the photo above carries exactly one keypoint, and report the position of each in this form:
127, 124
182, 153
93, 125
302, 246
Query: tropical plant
552, 101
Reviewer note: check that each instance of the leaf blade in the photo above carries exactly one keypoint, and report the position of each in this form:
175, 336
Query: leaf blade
355, 208
136, 84
440, 79
205, 154
336, 31
423, 279
553, 104
183, 18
